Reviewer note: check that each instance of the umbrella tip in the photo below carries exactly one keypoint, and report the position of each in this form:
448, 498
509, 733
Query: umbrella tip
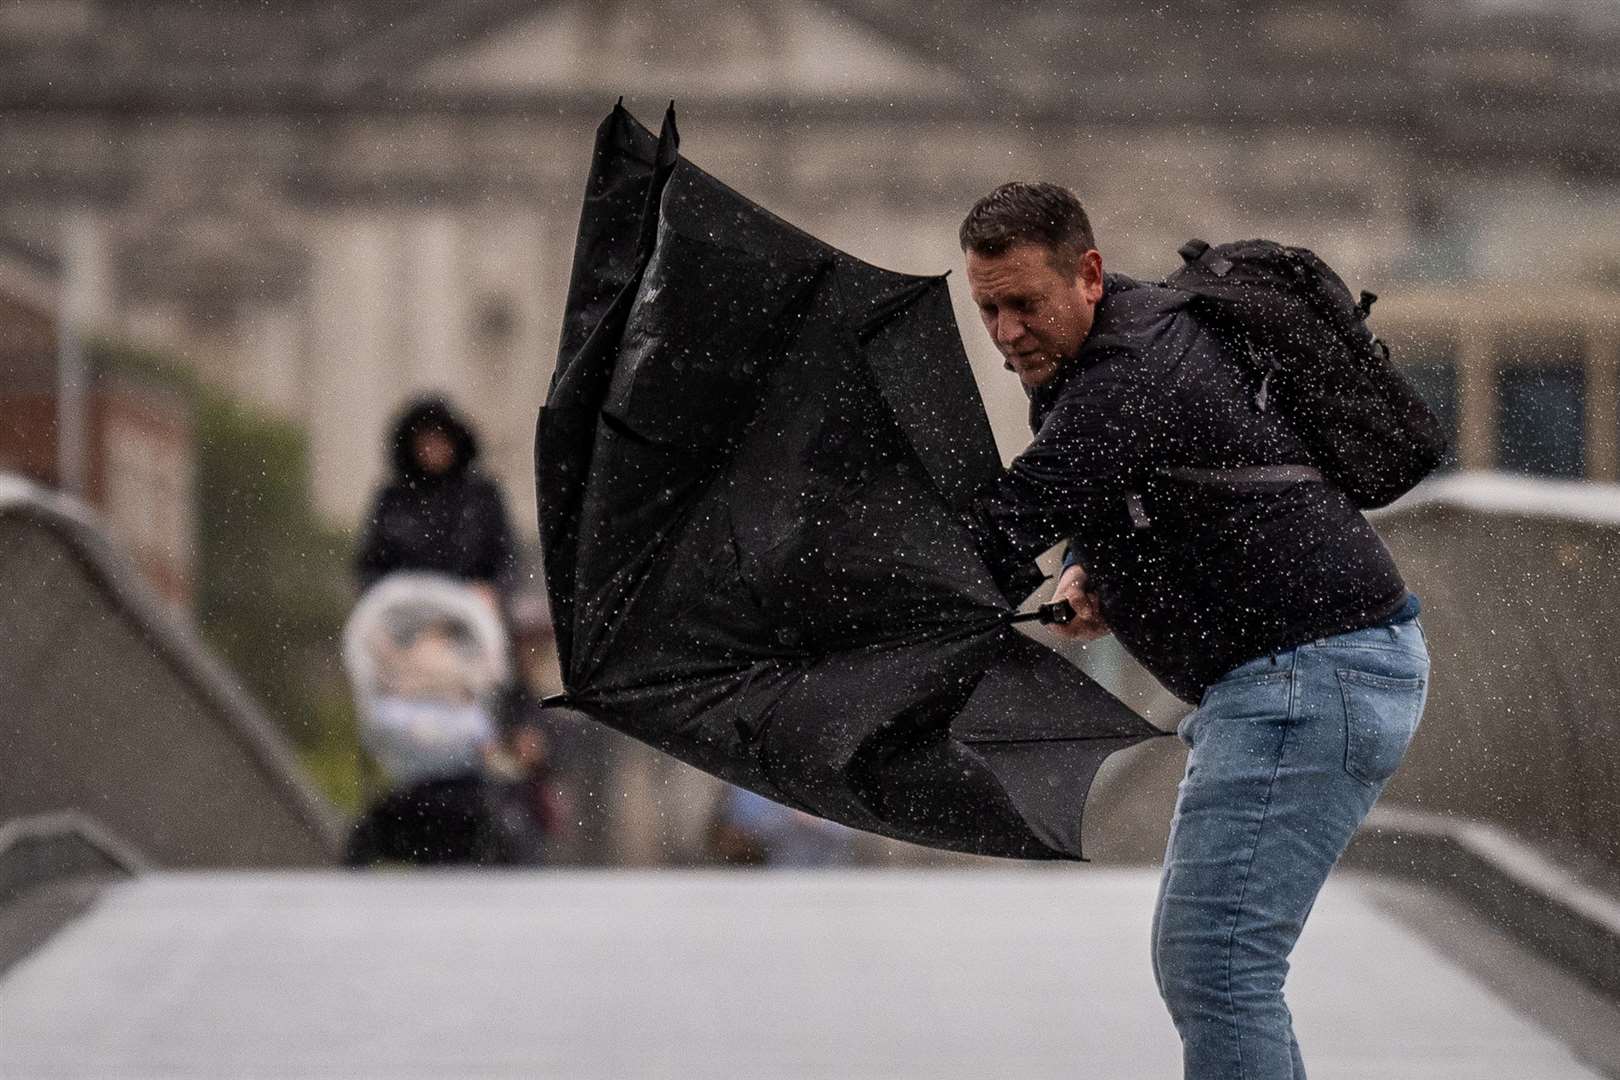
671, 132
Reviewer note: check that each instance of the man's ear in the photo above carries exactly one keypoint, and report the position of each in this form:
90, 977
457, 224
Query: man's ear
1091, 275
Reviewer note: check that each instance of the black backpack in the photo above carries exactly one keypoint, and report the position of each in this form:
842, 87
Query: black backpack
1293, 324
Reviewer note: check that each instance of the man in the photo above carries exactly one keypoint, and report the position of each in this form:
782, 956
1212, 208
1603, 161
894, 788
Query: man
1269, 603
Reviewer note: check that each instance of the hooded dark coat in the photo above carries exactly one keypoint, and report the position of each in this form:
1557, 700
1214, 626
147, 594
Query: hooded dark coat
454, 523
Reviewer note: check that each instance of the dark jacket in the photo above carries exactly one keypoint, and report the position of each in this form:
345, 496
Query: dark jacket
1201, 577
454, 523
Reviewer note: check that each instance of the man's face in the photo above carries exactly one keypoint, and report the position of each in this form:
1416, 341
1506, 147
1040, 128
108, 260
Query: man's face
1036, 314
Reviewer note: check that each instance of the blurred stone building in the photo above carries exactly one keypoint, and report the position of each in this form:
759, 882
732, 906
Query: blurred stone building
134, 460
330, 204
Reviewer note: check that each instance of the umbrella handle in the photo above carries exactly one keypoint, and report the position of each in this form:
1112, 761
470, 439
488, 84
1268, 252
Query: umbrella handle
1058, 612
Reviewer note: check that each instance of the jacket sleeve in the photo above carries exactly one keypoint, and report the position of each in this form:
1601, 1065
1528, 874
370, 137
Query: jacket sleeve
1071, 554
1092, 449
496, 562
375, 556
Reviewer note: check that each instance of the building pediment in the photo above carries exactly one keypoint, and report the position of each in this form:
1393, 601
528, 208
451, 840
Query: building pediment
694, 49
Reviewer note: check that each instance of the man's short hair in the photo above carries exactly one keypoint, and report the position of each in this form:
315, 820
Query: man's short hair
1029, 213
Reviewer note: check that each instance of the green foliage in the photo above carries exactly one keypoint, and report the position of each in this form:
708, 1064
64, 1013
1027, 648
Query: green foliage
272, 582
334, 758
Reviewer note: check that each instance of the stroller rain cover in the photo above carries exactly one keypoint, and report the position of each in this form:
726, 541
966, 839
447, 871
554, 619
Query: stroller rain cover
750, 469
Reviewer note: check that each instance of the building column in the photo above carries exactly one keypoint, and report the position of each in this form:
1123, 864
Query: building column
435, 348
1476, 396
355, 333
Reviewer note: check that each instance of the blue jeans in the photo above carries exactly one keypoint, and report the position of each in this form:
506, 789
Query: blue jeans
1288, 755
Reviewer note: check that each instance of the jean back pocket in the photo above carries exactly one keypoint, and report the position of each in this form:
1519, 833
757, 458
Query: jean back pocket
1381, 715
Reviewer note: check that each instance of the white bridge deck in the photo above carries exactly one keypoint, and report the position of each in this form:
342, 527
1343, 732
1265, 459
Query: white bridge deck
1015, 974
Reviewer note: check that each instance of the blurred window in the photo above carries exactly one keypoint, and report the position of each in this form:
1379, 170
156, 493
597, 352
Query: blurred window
494, 321
1541, 423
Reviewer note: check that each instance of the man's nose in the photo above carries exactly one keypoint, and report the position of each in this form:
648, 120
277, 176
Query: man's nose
1009, 330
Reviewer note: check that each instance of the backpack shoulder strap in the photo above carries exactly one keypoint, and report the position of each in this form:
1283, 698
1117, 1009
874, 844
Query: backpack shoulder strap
1246, 479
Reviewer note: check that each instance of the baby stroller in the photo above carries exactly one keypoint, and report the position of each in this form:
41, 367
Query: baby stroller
426, 657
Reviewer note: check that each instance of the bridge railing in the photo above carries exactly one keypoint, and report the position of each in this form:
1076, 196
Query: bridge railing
1520, 582
114, 711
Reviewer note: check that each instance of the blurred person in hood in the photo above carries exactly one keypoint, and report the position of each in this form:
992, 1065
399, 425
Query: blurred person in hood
430, 733
438, 513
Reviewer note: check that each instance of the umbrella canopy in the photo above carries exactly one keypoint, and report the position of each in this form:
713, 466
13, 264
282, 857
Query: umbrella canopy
751, 467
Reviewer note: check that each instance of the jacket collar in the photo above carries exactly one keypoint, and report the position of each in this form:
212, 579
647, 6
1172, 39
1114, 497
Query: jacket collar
1043, 397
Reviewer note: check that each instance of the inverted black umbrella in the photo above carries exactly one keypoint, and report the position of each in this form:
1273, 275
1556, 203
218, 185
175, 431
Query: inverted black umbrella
751, 467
